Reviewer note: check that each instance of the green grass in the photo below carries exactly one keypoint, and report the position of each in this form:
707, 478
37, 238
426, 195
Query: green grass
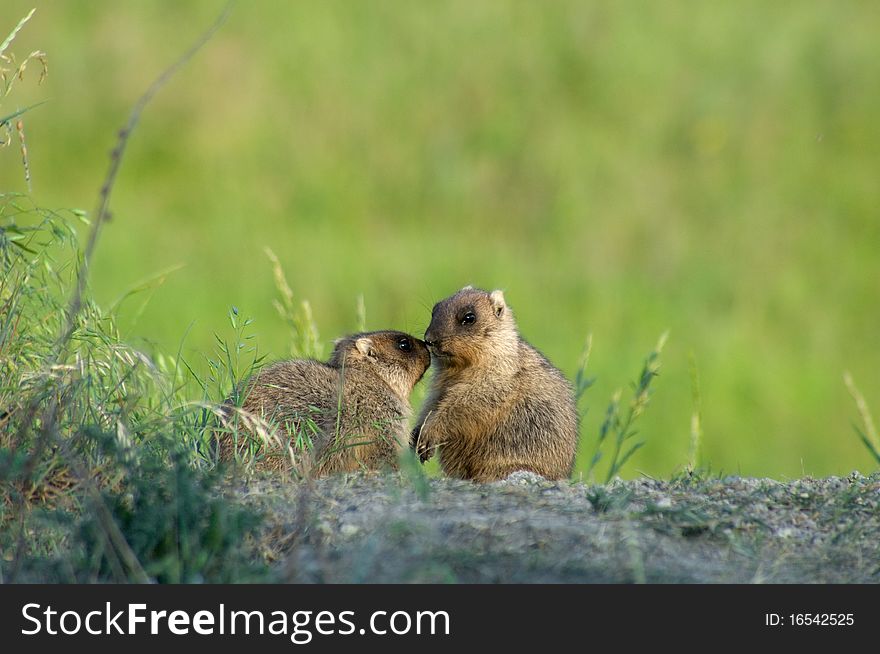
620, 169
104, 473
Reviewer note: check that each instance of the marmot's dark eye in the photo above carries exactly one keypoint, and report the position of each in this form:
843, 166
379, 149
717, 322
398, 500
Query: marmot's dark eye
469, 318
403, 343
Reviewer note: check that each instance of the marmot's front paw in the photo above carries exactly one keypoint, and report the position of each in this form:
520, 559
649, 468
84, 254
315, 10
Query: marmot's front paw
419, 445
425, 453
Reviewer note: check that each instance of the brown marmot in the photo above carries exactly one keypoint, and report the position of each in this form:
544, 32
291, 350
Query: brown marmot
354, 408
496, 404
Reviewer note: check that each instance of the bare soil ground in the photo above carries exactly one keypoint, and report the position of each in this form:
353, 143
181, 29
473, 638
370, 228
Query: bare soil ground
391, 528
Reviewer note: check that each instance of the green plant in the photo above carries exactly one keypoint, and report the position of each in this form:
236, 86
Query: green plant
414, 473
622, 427
696, 431
101, 476
176, 525
868, 434
255, 437
304, 339
10, 71
582, 383
100, 473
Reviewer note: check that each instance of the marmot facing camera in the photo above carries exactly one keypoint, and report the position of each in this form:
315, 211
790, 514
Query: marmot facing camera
496, 404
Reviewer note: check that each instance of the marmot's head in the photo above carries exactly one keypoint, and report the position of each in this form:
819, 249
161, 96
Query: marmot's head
469, 325
398, 358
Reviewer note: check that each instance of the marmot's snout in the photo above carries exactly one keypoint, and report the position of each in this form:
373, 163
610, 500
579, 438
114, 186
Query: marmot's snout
458, 320
435, 343
431, 339
423, 353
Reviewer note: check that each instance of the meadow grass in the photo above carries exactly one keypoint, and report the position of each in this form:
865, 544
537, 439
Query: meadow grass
102, 471
616, 168
867, 432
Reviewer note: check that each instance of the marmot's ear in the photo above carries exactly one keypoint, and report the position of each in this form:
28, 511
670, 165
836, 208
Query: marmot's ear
365, 346
498, 303
467, 288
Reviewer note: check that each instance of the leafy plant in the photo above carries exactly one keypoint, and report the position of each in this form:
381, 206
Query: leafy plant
11, 71
619, 426
173, 520
868, 432
696, 431
304, 338
99, 474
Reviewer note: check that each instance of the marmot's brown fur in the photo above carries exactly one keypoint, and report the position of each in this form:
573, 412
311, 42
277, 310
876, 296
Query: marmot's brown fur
354, 408
496, 404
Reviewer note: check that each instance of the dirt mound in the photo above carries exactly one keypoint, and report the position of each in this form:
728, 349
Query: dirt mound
388, 528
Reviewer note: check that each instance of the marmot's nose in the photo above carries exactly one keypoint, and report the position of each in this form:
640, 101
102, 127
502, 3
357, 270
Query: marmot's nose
430, 338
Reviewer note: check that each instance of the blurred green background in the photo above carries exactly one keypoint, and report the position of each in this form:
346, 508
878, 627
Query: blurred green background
618, 168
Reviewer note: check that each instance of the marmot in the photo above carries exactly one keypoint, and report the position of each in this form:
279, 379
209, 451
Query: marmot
354, 408
496, 404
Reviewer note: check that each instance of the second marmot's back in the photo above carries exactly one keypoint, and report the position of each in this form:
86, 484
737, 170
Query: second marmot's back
496, 404
354, 408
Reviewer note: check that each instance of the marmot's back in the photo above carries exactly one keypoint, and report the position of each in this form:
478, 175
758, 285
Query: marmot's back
497, 405
290, 390
354, 409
